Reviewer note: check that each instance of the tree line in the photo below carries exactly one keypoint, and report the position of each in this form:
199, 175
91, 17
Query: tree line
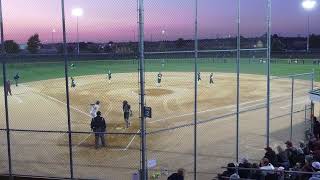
34, 43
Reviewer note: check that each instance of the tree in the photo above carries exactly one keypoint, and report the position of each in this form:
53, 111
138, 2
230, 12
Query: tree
34, 44
315, 41
11, 47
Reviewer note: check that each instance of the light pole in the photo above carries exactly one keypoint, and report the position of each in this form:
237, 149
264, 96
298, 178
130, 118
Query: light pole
52, 35
308, 5
77, 12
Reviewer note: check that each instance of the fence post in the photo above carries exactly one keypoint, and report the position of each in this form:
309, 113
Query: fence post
195, 88
238, 81
65, 53
268, 70
6, 113
291, 111
143, 170
4, 76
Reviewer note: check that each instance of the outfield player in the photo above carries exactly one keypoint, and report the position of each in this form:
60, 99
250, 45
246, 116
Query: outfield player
94, 109
8, 88
109, 75
159, 79
73, 83
211, 78
126, 113
72, 66
16, 78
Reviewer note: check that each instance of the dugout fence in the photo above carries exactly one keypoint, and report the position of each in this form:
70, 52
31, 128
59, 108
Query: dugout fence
186, 131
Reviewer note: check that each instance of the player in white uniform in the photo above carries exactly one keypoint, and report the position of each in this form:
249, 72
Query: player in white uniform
94, 109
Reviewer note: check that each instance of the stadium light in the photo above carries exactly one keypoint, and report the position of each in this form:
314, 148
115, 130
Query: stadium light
77, 12
308, 5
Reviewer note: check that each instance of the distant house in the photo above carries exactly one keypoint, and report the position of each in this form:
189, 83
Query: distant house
23, 48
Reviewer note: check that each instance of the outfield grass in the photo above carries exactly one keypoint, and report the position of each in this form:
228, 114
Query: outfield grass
41, 71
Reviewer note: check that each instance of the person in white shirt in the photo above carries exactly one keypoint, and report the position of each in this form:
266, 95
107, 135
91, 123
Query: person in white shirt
94, 109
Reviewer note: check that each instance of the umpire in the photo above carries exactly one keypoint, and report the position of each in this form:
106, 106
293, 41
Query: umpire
98, 125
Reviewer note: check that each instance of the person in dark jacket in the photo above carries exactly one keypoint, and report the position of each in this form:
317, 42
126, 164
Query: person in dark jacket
178, 175
282, 158
292, 153
226, 174
244, 164
316, 127
271, 156
98, 125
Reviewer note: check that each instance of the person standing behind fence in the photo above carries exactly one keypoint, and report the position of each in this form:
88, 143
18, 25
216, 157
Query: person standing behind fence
98, 126
126, 113
316, 127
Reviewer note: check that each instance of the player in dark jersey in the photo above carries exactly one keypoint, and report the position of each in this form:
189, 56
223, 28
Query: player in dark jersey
109, 74
16, 78
211, 78
126, 113
199, 76
73, 83
72, 66
159, 79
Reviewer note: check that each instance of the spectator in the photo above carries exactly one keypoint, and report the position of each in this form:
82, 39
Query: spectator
304, 148
307, 167
268, 167
244, 163
179, 175
255, 174
226, 174
291, 153
316, 127
315, 168
234, 176
282, 158
271, 156
98, 125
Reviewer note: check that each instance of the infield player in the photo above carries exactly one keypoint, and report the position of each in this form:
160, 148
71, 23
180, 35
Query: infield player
8, 88
159, 79
211, 78
16, 78
199, 77
73, 83
94, 109
126, 113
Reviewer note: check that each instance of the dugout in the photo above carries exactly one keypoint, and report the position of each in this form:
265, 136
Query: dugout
315, 104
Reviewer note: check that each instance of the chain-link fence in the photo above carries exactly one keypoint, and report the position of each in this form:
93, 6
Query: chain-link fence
211, 99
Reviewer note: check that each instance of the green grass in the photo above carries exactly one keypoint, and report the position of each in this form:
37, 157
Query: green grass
42, 71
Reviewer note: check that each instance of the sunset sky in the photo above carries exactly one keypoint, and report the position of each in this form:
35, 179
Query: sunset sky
115, 20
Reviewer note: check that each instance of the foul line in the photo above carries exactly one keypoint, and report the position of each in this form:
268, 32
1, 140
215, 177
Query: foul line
131, 140
214, 109
78, 110
289, 105
18, 99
